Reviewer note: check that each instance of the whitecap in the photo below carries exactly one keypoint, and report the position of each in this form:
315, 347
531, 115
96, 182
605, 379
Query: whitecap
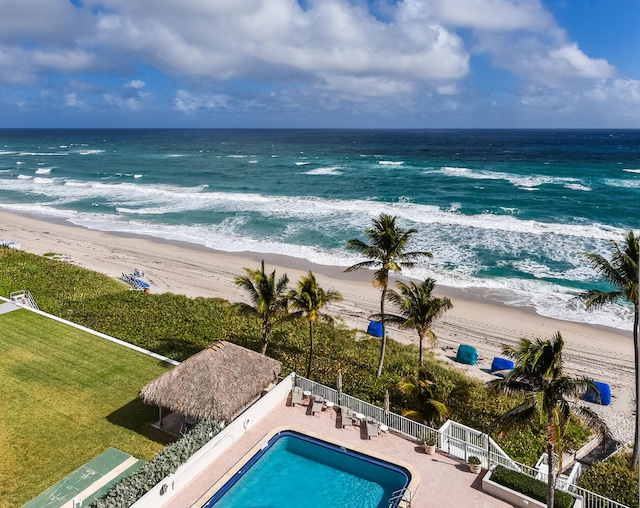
332, 170
302, 163
43, 171
90, 152
577, 186
631, 170
253, 161
137, 176
24, 177
391, 163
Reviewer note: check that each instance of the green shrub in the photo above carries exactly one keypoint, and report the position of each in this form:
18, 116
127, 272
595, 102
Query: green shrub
535, 489
127, 491
613, 478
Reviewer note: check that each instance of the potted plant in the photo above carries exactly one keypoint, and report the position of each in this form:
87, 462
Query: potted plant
475, 464
428, 442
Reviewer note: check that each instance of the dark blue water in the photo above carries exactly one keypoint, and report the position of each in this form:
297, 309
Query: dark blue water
507, 212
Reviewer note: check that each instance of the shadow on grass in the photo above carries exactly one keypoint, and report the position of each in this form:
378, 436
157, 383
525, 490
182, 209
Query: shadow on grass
138, 417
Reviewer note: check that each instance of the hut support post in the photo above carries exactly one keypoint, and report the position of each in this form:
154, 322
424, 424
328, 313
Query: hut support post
160, 416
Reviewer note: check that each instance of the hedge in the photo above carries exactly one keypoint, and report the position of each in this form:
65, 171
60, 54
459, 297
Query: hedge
535, 489
128, 490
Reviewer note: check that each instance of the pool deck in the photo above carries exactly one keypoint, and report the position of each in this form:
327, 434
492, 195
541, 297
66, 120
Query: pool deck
445, 481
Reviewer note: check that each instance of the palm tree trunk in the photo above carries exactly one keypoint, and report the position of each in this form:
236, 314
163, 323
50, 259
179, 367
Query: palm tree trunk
310, 349
551, 476
265, 337
636, 354
383, 346
421, 355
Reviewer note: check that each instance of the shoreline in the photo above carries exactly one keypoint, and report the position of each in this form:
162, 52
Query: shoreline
599, 352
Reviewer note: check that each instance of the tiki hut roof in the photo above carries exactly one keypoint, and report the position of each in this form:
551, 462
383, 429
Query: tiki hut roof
219, 382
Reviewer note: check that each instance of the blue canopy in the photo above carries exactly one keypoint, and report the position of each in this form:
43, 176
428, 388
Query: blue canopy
375, 328
604, 390
501, 364
467, 354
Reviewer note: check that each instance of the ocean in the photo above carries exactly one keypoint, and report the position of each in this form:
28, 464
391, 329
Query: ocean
506, 213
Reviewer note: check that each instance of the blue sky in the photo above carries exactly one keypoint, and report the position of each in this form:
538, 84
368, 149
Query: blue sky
320, 63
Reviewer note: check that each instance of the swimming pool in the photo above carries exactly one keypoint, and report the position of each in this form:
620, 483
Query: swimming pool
296, 470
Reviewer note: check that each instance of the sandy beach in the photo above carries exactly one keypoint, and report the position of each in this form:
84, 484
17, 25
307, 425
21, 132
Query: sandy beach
596, 352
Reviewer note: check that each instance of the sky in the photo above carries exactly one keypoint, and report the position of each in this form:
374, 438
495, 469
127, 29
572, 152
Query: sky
320, 63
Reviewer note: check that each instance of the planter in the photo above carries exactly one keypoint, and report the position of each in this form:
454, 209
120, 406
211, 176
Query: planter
429, 449
511, 496
475, 468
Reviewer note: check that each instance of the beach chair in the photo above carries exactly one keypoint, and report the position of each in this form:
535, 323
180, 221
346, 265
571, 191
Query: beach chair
296, 395
317, 405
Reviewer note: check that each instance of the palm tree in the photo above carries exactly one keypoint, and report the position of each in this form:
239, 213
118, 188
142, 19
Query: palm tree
307, 301
268, 297
386, 253
622, 273
433, 396
538, 375
418, 309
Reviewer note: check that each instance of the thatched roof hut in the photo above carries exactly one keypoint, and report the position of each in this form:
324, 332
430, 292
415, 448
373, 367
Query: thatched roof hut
219, 382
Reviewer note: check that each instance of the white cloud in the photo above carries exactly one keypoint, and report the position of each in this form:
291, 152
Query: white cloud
187, 102
494, 15
136, 84
71, 100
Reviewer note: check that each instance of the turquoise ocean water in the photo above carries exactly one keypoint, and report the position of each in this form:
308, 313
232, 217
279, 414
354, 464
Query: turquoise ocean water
505, 213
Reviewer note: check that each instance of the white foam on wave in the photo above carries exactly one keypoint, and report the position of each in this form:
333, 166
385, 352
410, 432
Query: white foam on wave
24, 177
301, 163
530, 182
625, 184
391, 163
138, 176
90, 152
253, 161
7, 152
332, 170
43, 171
578, 186
631, 170
43, 154
19, 163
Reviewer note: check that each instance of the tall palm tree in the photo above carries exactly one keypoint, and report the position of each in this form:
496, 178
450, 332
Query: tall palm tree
418, 308
538, 375
268, 299
622, 273
385, 253
308, 300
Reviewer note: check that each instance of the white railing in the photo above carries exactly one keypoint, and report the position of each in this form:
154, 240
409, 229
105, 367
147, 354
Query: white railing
454, 439
23, 298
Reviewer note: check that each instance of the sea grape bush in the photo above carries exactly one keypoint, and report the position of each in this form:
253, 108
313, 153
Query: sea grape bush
130, 489
613, 478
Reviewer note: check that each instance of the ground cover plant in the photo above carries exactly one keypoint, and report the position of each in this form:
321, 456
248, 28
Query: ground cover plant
65, 397
178, 327
613, 478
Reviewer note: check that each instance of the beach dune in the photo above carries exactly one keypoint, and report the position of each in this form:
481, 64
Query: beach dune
596, 352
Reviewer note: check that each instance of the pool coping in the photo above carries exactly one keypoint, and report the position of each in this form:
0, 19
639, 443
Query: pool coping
414, 483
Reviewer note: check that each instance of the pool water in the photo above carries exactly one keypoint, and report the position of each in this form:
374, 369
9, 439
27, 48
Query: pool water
298, 471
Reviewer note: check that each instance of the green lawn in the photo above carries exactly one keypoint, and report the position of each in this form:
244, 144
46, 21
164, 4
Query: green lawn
66, 396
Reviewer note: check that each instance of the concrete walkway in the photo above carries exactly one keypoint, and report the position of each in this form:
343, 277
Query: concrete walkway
8, 307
